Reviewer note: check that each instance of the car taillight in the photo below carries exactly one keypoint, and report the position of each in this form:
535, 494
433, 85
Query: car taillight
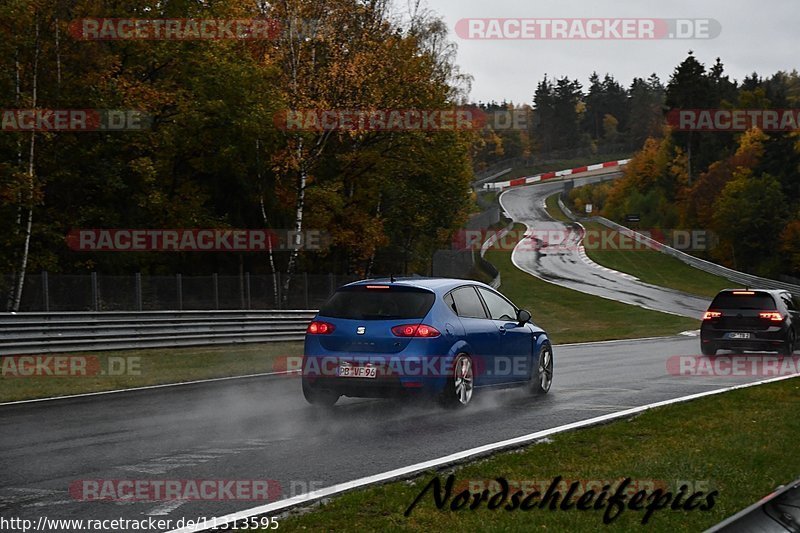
415, 330
711, 314
774, 316
320, 328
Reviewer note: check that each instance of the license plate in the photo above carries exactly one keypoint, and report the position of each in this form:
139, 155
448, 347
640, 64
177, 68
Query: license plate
739, 335
357, 372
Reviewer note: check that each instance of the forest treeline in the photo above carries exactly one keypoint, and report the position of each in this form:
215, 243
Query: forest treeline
213, 154
743, 186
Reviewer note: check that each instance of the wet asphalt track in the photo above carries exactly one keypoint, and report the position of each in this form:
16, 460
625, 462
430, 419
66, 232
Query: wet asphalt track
559, 261
261, 428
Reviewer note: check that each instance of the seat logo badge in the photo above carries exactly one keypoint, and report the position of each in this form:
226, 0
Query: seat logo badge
361, 330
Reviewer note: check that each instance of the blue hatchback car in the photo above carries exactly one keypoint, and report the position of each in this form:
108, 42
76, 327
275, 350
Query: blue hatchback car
442, 337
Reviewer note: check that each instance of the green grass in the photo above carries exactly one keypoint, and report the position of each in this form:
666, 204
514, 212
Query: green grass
716, 443
572, 316
153, 367
554, 210
646, 264
660, 269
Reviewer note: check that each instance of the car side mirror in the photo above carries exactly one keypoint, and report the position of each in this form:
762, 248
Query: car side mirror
523, 316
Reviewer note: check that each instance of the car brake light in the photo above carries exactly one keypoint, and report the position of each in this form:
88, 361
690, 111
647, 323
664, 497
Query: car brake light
378, 287
415, 330
711, 314
771, 315
320, 328
743, 293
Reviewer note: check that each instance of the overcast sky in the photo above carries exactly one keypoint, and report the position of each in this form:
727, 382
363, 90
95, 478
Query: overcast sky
762, 36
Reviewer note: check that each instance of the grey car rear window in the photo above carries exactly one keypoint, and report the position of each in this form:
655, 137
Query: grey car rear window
729, 300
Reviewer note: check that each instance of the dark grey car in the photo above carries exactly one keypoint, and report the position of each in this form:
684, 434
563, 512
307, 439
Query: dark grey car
751, 319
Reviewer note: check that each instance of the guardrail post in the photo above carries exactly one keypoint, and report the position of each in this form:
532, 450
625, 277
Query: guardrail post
305, 289
45, 291
215, 279
280, 290
179, 285
137, 281
247, 287
95, 295
241, 285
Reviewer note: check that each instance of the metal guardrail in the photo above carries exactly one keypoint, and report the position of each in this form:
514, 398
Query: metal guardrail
735, 276
487, 266
478, 182
27, 333
712, 268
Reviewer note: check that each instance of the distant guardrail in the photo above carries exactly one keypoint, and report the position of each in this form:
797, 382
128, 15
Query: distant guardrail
735, 276
487, 266
707, 266
27, 333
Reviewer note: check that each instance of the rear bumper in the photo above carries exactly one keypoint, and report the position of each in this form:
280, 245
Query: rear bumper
395, 375
367, 388
769, 339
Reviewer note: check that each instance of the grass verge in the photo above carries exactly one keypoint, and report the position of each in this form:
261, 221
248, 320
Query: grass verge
554, 210
714, 443
656, 268
648, 265
125, 369
572, 316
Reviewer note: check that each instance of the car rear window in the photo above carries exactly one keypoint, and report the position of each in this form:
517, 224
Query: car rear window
364, 303
729, 300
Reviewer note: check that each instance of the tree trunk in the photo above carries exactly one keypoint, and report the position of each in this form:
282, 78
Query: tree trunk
264, 217
298, 221
23, 263
18, 221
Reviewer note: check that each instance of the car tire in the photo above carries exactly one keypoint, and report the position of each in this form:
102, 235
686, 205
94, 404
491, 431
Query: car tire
707, 348
460, 386
319, 397
789, 345
543, 379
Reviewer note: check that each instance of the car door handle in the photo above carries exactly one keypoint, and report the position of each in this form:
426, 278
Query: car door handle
502, 330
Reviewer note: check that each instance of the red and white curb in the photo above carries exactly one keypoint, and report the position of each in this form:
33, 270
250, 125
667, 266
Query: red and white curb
552, 175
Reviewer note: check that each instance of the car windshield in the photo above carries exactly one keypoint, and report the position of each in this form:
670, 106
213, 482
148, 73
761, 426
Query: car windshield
729, 300
364, 303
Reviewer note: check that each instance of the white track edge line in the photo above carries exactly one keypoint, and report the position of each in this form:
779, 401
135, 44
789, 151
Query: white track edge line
456, 457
